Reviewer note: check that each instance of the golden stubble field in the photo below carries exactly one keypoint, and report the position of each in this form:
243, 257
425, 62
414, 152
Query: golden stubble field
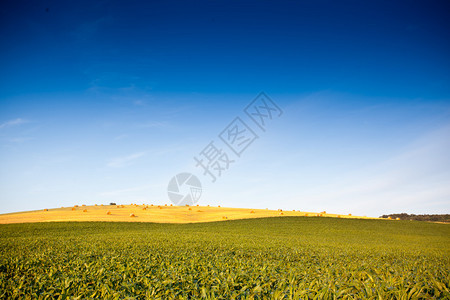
152, 213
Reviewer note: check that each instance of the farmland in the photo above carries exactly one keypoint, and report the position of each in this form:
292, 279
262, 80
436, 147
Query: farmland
152, 213
260, 258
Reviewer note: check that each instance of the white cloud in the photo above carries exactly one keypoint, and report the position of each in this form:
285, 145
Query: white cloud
139, 102
127, 190
124, 161
413, 181
14, 122
20, 139
120, 137
155, 124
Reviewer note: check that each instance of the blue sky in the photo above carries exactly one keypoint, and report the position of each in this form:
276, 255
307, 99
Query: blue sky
106, 102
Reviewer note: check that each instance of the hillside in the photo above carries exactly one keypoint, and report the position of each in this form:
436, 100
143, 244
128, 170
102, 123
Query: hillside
152, 213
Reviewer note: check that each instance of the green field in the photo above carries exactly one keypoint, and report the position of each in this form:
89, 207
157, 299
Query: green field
269, 258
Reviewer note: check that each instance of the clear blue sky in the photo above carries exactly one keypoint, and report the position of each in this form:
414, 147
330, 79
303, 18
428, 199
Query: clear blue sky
105, 102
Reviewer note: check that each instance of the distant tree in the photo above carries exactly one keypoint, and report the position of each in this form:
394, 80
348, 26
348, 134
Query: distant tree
112, 203
432, 218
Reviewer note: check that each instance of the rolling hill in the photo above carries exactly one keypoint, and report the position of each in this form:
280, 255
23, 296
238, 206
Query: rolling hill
152, 213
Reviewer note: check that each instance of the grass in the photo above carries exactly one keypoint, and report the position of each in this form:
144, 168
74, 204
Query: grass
265, 258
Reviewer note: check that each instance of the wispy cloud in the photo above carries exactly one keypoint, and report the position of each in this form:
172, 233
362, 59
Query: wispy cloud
126, 190
120, 137
415, 179
21, 139
139, 102
154, 124
124, 161
14, 122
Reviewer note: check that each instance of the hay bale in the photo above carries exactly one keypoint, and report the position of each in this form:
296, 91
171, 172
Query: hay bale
338, 216
397, 218
350, 215
281, 213
84, 210
224, 217
189, 208
144, 208
252, 212
45, 209
73, 208
76, 206
306, 215
218, 206
108, 213
132, 216
165, 204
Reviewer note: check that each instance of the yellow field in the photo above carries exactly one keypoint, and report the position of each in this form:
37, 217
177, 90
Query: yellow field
151, 213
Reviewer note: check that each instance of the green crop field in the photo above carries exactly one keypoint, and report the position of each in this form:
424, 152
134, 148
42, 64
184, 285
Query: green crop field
269, 258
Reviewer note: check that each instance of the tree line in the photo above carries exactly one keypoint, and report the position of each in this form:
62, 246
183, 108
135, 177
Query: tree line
433, 218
